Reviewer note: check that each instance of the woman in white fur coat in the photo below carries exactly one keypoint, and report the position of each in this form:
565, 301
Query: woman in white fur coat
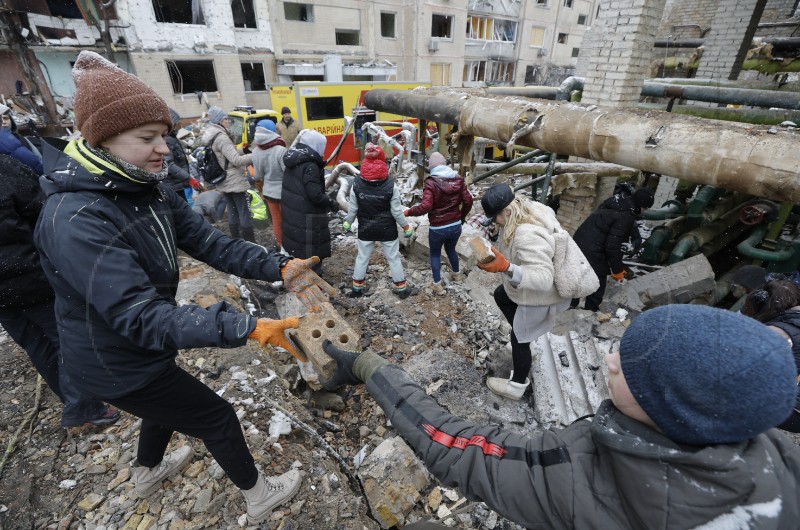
527, 295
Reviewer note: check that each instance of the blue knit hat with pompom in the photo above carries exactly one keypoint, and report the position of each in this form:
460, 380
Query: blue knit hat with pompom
708, 376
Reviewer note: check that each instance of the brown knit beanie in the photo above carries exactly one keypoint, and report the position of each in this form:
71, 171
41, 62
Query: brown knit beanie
109, 101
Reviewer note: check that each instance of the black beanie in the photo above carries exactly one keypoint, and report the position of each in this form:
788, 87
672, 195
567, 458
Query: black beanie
284, 110
708, 376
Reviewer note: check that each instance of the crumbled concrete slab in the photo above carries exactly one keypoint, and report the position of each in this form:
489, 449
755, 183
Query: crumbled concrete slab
393, 479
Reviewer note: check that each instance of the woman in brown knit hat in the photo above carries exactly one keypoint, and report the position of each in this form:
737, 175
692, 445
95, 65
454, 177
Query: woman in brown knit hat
109, 239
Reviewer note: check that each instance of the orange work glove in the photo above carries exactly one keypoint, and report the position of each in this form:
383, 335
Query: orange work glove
310, 289
272, 332
619, 276
498, 264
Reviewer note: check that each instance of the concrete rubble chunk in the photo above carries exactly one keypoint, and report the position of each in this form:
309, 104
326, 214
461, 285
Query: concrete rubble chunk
393, 479
90, 502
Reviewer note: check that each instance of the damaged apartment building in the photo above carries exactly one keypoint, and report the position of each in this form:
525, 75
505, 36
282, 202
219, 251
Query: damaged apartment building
197, 53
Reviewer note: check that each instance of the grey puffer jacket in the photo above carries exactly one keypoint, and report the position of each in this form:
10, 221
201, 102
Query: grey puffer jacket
224, 149
269, 167
610, 473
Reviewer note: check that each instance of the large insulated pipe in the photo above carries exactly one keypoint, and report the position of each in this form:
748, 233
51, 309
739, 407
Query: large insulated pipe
729, 96
778, 43
726, 227
734, 156
748, 247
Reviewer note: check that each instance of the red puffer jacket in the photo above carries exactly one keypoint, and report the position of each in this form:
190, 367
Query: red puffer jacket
445, 198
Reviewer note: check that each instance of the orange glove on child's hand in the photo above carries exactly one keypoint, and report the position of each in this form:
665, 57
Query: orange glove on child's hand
619, 276
498, 264
310, 289
272, 332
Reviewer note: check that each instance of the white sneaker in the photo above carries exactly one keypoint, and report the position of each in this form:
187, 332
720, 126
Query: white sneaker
147, 480
507, 388
270, 492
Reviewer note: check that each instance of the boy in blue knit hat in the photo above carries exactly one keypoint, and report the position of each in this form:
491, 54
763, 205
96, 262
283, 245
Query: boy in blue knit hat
686, 440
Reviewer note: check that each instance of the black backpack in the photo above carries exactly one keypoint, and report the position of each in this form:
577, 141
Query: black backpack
208, 165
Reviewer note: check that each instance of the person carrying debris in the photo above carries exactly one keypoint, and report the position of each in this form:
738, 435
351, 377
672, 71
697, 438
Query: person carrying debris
777, 304
210, 204
686, 440
178, 176
447, 201
601, 236
269, 169
109, 241
304, 205
375, 202
235, 185
527, 295
288, 128
26, 299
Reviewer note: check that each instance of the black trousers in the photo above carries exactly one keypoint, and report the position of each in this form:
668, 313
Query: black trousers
593, 301
176, 401
520, 351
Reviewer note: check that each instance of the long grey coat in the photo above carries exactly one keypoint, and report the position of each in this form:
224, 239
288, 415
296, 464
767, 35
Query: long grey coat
224, 149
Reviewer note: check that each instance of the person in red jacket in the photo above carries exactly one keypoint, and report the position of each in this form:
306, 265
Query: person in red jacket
447, 201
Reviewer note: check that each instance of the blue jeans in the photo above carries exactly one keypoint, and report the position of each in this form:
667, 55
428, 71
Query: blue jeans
447, 237
34, 329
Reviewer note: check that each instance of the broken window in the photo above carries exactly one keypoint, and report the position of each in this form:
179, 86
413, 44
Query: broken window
562, 38
299, 12
327, 108
244, 14
189, 77
442, 26
541, 2
64, 8
487, 28
490, 72
575, 52
387, 25
582, 20
567, 3
347, 37
253, 75
537, 37
179, 11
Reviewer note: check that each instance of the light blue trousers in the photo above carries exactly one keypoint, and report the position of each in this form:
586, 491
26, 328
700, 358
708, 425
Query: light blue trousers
391, 249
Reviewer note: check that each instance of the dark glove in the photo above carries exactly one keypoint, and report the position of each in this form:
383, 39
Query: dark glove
344, 366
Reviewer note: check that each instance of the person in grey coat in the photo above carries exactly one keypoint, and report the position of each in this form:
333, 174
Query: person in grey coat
686, 441
268, 171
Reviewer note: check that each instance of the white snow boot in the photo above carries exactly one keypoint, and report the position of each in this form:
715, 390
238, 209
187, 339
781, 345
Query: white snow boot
147, 480
270, 492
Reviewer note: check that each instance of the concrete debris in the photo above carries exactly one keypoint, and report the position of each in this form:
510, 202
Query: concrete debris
393, 479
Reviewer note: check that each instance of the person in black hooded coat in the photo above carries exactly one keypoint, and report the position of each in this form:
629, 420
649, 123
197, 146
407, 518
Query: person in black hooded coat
601, 235
304, 205
178, 176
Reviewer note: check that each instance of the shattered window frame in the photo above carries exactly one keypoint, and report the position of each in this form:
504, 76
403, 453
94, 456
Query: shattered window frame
179, 12
491, 29
542, 3
244, 14
250, 73
582, 20
489, 71
201, 81
568, 3
438, 29
562, 38
386, 22
298, 12
344, 37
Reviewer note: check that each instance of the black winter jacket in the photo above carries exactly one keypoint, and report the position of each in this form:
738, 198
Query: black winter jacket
612, 473
601, 235
375, 220
22, 280
177, 165
304, 205
109, 247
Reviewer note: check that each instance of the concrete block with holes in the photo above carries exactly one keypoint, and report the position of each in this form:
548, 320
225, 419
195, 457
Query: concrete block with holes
314, 328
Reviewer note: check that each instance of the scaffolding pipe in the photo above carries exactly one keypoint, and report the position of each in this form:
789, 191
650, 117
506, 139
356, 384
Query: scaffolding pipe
495, 171
738, 157
729, 96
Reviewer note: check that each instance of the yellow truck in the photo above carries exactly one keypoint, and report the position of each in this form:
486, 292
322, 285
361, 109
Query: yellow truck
322, 106
243, 123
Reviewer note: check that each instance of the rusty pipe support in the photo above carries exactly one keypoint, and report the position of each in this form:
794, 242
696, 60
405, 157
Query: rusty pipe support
738, 157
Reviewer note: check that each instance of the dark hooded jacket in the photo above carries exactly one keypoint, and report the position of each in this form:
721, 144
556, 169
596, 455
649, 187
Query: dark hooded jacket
445, 198
22, 280
612, 473
177, 164
109, 247
304, 205
601, 235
